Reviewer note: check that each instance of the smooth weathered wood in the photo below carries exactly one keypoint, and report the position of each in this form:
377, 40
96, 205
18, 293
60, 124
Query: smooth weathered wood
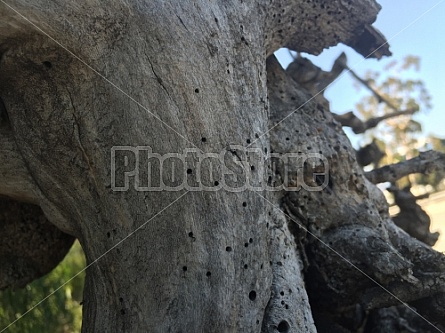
175, 76
193, 67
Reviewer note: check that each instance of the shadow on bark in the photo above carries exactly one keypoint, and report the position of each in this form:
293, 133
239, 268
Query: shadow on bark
30, 246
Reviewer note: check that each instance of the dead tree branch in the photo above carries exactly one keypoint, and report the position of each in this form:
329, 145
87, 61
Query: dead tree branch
376, 94
425, 163
369, 154
412, 218
359, 126
350, 120
312, 77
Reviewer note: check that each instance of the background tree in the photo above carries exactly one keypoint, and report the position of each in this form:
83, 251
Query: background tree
399, 137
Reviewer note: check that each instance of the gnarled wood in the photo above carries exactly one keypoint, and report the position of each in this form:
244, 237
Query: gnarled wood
353, 255
181, 75
194, 70
359, 126
311, 26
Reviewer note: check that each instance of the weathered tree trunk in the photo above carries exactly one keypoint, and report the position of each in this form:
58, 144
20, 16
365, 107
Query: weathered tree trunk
171, 76
192, 67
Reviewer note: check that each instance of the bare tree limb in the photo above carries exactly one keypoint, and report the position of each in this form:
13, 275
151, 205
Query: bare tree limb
313, 78
425, 163
369, 154
412, 218
376, 94
359, 126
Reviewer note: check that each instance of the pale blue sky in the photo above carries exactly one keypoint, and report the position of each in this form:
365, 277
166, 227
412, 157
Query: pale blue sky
412, 27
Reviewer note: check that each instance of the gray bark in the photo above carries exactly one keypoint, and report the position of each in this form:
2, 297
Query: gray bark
425, 163
357, 259
15, 180
177, 75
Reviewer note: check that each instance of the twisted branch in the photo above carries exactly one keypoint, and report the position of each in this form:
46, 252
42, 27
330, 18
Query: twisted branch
425, 163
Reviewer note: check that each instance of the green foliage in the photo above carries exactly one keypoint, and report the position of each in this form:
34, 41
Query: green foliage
60, 313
